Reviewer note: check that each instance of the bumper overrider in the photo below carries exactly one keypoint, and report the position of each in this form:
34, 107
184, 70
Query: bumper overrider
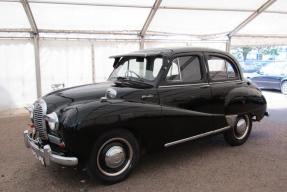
45, 154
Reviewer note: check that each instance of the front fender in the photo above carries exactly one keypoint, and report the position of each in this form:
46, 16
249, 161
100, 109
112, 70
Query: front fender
95, 117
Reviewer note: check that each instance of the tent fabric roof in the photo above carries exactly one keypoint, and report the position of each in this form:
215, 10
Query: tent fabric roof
173, 17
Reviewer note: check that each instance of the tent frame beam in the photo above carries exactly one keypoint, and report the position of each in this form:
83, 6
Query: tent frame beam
122, 35
148, 21
30, 16
112, 32
140, 6
150, 17
261, 36
261, 9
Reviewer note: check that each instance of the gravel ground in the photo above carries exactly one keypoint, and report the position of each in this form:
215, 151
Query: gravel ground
208, 164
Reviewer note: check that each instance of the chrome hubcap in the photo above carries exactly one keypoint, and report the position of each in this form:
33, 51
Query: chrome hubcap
115, 157
241, 128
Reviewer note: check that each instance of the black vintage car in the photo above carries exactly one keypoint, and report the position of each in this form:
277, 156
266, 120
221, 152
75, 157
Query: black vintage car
153, 99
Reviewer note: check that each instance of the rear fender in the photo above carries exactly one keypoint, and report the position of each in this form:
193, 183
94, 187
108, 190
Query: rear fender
245, 100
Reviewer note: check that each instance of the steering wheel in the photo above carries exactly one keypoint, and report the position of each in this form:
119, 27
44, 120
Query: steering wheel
132, 72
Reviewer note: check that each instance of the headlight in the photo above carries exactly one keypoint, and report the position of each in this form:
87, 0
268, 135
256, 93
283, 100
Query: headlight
53, 121
30, 108
111, 93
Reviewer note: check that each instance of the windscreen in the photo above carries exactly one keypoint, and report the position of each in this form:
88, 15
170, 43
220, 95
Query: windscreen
143, 68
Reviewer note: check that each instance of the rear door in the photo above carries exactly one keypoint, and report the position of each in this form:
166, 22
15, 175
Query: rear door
223, 77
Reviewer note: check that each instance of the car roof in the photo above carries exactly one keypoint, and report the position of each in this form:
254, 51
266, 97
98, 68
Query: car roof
168, 51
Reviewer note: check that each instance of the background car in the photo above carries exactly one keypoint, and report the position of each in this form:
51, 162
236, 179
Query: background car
272, 76
251, 68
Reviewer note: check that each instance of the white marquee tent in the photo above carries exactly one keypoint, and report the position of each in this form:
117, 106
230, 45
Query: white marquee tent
47, 42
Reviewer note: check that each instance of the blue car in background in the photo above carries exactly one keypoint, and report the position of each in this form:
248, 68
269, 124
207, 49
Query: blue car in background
272, 76
251, 68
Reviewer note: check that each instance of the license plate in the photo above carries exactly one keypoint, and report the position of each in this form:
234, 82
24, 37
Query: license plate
41, 159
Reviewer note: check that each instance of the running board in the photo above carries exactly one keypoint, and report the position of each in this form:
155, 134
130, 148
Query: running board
196, 136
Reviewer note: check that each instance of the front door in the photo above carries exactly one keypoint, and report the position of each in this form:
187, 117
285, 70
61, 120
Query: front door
184, 95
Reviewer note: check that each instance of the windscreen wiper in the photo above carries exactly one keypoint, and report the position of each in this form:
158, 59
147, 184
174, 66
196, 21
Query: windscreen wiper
133, 80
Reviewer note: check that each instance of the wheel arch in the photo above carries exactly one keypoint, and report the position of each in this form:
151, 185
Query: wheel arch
282, 81
246, 100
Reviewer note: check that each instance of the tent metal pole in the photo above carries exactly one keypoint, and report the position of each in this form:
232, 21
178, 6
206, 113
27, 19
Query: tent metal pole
93, 62
228, 44
37, 65
142, 43
35, 34
251, 17
150, 17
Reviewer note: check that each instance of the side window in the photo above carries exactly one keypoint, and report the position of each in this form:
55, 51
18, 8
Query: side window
185, 69
173, 73
221, 69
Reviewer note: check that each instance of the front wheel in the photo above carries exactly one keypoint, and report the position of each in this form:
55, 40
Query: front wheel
114, 156
240, 131
284, 87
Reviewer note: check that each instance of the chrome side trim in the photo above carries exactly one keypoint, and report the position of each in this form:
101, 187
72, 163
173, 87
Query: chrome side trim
196, 136
210, 83
256, 81
183, 85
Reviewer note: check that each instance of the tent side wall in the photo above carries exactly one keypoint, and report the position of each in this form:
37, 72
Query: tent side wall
67, 62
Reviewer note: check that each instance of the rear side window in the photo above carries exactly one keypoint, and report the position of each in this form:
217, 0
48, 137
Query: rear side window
220, 69
185, 69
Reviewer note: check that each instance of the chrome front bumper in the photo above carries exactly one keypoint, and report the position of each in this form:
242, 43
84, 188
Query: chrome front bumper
45, 154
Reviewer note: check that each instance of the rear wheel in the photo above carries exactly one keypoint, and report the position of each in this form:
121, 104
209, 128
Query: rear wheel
284, 87
240, 132
114, 156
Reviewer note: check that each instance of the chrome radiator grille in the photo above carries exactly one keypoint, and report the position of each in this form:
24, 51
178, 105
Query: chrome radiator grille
40, 110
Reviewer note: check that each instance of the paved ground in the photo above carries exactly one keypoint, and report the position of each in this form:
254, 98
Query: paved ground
208, 164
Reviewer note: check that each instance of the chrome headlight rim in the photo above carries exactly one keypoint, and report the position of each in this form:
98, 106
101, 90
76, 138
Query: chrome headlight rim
52, 120
111, 93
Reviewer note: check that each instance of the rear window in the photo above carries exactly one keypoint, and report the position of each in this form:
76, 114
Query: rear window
221, 69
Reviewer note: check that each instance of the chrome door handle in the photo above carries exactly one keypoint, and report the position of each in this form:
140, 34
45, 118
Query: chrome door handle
204, 86
147, 96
